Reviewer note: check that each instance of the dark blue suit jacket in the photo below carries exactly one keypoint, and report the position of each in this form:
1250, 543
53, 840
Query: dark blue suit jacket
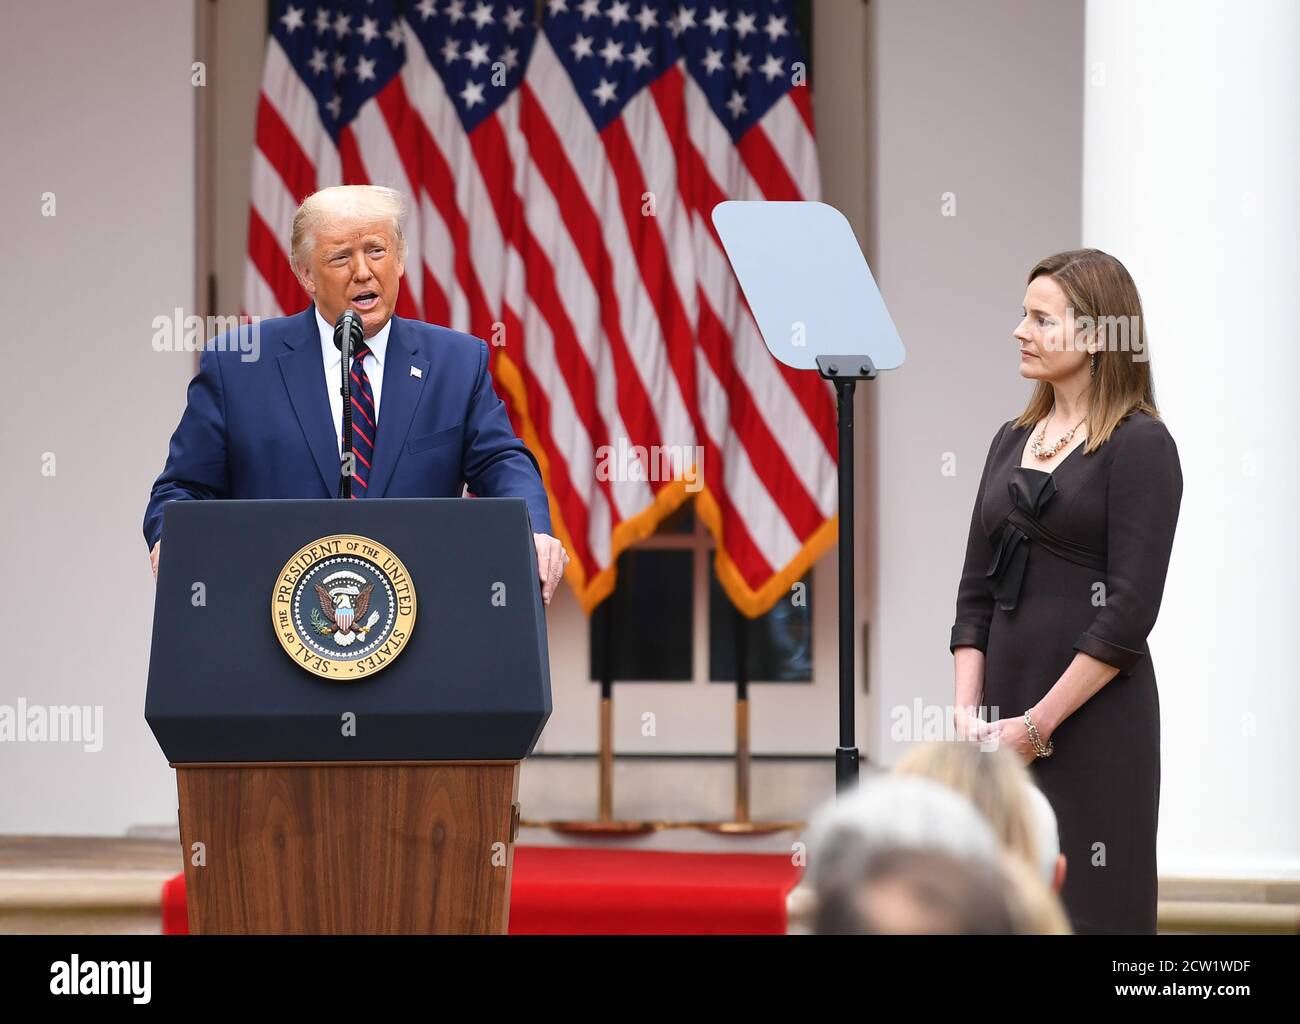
262, 428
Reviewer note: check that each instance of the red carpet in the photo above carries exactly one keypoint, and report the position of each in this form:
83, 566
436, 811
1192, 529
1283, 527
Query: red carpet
564, 890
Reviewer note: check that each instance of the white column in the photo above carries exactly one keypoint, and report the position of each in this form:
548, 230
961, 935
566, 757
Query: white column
99, 115
1191, 166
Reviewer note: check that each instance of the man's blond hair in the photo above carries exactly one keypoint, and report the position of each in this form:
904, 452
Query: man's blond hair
343, 203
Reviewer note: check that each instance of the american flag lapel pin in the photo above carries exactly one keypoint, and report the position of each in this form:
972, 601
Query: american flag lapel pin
416, 372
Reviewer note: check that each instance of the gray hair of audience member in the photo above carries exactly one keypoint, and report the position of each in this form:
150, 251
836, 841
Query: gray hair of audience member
919, 892
888, 813
1047, 838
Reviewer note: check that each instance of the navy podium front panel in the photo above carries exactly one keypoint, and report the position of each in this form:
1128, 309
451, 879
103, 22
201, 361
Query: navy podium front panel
473, 681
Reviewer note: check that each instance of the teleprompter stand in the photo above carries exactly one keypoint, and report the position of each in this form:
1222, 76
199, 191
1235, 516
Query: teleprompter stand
817, 307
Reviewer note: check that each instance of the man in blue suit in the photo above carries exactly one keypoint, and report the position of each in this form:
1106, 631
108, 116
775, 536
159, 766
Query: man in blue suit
426, 418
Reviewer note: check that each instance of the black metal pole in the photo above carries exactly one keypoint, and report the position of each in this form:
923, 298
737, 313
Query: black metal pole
345, 441
607, 648
846, 754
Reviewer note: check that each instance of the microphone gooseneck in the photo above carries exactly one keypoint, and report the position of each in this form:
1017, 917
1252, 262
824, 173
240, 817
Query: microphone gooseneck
347, 335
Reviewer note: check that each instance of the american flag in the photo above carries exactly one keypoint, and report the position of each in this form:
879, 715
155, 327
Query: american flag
562, 160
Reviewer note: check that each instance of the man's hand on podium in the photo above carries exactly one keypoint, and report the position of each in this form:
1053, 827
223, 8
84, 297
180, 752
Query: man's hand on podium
153, 558
551, 560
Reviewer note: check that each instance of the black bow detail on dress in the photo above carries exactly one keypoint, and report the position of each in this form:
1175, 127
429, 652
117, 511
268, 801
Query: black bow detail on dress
1030, 491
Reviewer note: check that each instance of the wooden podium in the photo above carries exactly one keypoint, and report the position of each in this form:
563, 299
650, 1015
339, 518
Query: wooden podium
403, 822
398, 848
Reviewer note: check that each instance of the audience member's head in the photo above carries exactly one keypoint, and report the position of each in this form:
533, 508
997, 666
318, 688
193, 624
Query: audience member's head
1035, 908
955, 841
1051, 861
888, 812
995, 781
917, 892
855, 876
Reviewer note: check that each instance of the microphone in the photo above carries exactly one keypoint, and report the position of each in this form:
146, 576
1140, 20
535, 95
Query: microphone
347, 335
350, 324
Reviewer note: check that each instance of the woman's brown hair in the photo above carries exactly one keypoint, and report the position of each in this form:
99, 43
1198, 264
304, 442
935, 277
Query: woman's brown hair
1098, 287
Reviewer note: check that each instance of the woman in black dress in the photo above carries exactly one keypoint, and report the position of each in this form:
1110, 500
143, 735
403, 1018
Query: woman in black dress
1065, 566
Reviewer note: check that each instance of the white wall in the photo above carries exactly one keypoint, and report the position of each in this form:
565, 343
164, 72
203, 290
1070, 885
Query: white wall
984, 101
1192, 157
99, 111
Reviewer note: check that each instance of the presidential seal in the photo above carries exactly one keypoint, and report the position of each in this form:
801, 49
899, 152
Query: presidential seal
343, 607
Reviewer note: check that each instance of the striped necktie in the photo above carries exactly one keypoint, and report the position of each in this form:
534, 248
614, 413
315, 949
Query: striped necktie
363, 421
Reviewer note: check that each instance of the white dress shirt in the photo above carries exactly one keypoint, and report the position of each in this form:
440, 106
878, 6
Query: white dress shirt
374, 364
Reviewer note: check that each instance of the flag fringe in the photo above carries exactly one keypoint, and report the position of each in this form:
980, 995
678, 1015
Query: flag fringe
590, 592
